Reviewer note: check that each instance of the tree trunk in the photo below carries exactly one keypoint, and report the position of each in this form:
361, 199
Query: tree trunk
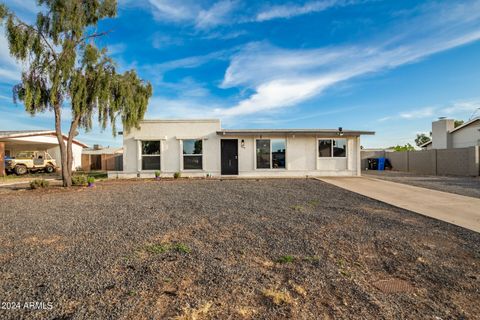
71, 135
66, 177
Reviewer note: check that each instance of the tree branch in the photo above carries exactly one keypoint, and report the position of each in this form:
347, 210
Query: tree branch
54, 53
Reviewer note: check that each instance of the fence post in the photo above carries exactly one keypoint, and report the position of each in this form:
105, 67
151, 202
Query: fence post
408, 161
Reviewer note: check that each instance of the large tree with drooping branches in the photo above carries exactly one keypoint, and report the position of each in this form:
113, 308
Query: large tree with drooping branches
62, 66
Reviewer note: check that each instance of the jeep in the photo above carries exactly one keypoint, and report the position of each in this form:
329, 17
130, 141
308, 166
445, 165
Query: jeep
30, 161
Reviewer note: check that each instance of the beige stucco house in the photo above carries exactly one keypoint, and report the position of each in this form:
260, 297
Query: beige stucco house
446, 136
198, 148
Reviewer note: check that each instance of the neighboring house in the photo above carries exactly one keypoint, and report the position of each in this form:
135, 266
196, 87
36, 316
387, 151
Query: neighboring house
202, 147
103, 159
446, 136
13, 142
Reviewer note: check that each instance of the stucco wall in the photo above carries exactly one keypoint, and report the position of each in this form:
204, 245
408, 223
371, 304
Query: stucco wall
466, 137
301, 151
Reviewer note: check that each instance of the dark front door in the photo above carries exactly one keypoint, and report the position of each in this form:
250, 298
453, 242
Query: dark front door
229, 150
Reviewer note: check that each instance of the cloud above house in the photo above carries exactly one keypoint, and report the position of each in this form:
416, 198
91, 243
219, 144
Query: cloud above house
286, 77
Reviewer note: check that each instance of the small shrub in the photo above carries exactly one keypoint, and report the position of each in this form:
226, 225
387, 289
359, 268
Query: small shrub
177, 175
157, 174
285, 259
79, 180
91, 180
156, 248
39, 183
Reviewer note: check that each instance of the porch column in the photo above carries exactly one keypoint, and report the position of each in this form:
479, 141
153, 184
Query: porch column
2, 159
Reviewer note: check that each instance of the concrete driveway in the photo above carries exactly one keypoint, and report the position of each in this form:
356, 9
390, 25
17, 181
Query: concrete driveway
453, 208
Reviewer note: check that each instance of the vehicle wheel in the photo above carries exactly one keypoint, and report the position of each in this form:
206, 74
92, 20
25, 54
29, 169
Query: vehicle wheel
20, 169
49, 169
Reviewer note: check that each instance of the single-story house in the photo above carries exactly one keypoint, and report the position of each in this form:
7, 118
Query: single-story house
13, 142
446, 136
199, 148
102, 158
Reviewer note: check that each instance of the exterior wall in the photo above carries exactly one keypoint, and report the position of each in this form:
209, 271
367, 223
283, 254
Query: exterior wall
457, 161
398, 160
440, 135
366, 154
466, 137
76, 152
460, 161
170, 133
2, 159
423, 162
301, 152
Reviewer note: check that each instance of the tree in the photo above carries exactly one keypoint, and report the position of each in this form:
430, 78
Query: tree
407, 147
421, 139
62, 65
457, 123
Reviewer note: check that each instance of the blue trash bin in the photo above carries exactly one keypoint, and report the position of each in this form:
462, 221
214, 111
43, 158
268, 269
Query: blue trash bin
381, 164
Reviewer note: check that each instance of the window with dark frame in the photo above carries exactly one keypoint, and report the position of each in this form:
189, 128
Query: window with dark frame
150, 155
332, 148
192, 154
271, 153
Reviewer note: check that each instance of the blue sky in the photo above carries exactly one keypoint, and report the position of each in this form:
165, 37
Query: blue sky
388, 66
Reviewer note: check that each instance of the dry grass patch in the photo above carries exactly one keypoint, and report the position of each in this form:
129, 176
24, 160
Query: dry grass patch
278, 297
195, 313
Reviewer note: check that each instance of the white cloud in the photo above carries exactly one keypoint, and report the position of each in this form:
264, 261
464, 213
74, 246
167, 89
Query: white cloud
293, 10
216, 15
282, 78
10, 70
167, 10
457, 108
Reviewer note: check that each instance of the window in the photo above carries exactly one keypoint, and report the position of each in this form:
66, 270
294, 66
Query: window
271, 153
150, 155
336, 148
192, 155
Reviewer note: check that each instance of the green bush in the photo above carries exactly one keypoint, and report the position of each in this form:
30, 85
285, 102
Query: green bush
39, 183
157, 173
177, 175
79, 180
285, 259
91, 180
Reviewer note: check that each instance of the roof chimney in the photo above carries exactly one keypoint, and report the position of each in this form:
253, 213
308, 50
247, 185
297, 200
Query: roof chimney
441, 133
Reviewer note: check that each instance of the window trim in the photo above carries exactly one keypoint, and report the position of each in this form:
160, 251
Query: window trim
150, 155
182, 162
271, 158
331, 148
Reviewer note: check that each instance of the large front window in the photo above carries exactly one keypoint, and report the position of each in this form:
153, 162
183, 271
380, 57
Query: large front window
328, 148
271, 153
192, 155
150, 155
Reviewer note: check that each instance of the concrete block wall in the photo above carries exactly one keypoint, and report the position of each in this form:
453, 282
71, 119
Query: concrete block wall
365, 155
457, 161
422, 162
398, 160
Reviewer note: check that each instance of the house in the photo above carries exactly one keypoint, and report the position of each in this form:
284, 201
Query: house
198, 148
13, 142
101, 158
446, 136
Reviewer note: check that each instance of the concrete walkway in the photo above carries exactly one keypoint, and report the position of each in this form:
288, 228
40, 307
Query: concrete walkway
453, 208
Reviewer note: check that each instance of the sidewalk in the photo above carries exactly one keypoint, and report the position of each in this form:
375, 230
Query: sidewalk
453, 208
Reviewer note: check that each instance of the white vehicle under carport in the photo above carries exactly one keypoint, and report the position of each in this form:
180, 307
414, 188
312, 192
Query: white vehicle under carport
31, 161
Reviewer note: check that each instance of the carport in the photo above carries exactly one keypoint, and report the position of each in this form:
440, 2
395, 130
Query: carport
12, 142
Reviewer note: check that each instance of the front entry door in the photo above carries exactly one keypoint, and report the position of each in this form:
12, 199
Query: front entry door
229, 150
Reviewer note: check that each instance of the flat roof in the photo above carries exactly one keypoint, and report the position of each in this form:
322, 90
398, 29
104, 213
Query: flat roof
318, 132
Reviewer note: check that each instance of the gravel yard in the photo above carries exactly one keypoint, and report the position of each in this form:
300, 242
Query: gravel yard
233, 249
465, 186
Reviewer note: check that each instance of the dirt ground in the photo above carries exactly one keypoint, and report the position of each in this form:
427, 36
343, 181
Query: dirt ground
233, 249
465, 186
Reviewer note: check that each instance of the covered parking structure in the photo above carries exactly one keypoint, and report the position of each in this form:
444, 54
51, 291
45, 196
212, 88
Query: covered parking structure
13, 142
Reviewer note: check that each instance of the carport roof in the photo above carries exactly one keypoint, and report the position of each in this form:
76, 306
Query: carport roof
31, 133
317, 132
